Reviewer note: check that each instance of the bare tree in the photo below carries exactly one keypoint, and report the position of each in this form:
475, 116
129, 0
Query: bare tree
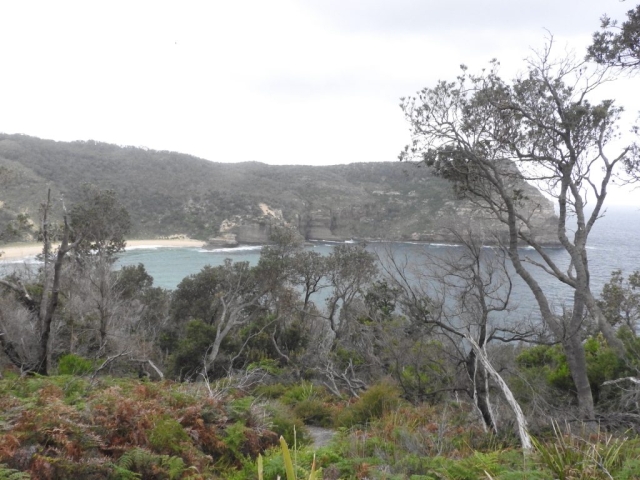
235, 302
49, 299
463, 298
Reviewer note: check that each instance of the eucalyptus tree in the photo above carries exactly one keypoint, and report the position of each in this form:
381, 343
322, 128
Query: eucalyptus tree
488, 136
618, 44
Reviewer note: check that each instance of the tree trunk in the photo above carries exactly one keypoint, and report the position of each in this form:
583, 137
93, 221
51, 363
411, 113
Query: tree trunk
525, 439
577, 361
480, 384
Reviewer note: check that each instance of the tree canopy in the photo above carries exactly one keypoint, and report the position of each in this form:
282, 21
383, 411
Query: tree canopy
618, 44
485, 135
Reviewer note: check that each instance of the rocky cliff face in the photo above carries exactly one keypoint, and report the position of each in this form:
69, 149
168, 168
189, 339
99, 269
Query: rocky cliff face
361, 223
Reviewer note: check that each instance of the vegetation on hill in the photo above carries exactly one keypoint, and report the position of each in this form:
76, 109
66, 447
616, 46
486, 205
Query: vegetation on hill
167, 193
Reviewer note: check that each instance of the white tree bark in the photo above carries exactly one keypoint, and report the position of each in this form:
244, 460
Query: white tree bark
525, 439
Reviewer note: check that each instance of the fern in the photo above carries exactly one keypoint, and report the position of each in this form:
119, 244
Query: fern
122, 473
7, 473
138, 461
174, 465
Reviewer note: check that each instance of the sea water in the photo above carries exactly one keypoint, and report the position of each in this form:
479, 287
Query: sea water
614, 244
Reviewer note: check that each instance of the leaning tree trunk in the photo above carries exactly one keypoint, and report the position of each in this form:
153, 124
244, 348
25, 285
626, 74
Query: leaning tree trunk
521, 421
480, 385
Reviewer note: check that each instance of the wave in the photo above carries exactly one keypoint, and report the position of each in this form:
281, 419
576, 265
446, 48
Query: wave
146, 247
24, 260
231, 249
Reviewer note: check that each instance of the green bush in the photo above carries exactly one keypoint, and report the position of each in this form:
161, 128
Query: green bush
313, 411
71, 364
377, 400
284, 422
298, 393
167, 436
271, 391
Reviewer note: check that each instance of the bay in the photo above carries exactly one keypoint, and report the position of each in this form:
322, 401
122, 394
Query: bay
614, 244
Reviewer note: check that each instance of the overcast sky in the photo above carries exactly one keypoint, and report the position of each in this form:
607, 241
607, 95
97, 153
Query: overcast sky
277, 81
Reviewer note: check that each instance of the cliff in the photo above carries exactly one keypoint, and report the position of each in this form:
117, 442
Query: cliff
168, 192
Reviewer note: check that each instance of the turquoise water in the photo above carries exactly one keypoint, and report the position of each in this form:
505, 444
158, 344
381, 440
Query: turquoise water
614, 244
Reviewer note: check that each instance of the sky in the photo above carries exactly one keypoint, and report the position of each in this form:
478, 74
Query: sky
313, 82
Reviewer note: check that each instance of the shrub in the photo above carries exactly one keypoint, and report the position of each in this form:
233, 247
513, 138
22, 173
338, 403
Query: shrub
285, 423
313, 411
71, 364
298, 393
271, 391
167, 436
373, 403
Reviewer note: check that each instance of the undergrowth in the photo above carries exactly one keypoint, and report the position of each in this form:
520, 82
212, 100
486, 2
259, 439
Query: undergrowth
66, 427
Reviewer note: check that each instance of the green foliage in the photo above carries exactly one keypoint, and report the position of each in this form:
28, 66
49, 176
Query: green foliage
314, 411
573, 457
234, 438
372, 404
551, 363
277, 462
167, 436
286, 424
617, 44
299, 392
71, 364
140, 463
100, 221
275, 390
186, 360
309, 403
620, 300
7, 473
131, 280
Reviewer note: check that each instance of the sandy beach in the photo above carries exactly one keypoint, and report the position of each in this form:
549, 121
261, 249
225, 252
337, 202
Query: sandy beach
16, 251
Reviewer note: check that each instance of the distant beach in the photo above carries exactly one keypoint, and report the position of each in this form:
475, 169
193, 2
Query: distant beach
16, 251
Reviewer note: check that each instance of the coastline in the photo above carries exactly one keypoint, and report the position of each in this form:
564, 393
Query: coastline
17, 251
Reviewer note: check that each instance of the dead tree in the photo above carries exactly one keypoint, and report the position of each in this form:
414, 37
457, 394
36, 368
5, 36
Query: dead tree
46, 310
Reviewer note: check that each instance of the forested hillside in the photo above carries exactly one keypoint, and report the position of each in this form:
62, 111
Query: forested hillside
170, 193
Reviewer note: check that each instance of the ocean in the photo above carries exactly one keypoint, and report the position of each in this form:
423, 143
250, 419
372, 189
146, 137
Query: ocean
614, 244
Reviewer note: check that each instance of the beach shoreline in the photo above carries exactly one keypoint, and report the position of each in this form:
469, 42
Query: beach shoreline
17, 251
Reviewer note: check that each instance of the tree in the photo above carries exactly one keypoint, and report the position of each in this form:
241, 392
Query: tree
102, 222
618, 45
48, 301
99, 226
487, 137
458, 298
620, 300
224, 297
349, 269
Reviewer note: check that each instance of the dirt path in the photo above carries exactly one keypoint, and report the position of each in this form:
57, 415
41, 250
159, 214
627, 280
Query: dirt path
321, 436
